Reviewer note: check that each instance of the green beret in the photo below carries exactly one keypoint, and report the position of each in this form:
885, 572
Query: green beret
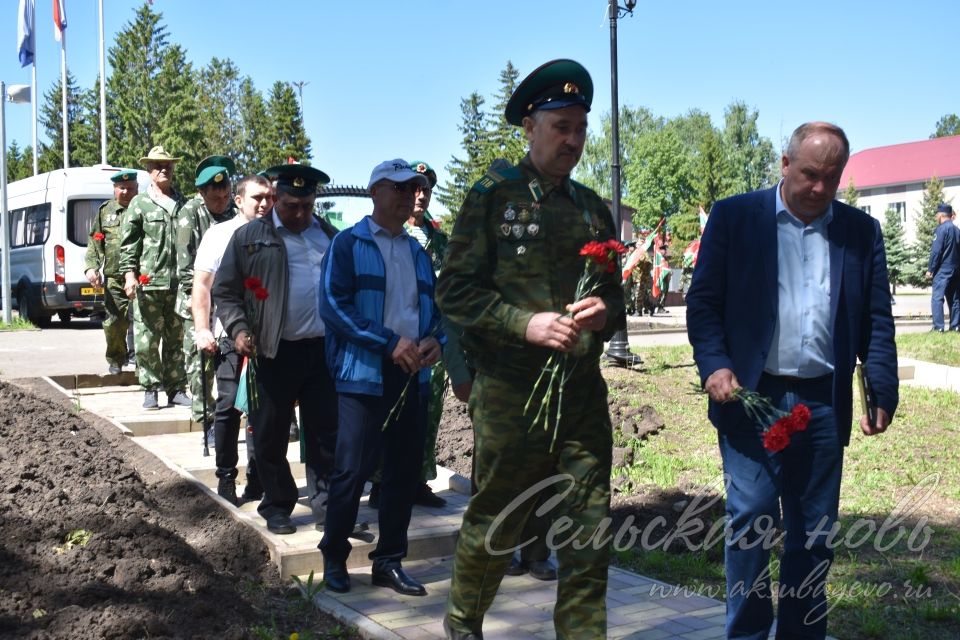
554, 85
123, 176
296, 179
217, 161
213, 175
427, 170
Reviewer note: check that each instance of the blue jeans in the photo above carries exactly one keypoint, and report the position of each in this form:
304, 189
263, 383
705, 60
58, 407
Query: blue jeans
802, 482
945, 287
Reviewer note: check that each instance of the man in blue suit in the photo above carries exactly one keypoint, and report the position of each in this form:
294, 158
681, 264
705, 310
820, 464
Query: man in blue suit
790, 288
944, 269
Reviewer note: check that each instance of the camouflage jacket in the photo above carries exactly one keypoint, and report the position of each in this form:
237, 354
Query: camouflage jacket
193, 221
436, 246
104, 255
514, 252
148, 234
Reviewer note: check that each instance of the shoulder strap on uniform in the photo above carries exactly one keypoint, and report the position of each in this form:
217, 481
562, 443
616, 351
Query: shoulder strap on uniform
498, 171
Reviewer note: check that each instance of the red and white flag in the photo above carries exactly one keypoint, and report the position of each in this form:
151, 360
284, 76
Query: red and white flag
59, 19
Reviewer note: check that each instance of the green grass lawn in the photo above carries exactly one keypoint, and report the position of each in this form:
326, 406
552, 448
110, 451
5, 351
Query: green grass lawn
942, 348
901, 584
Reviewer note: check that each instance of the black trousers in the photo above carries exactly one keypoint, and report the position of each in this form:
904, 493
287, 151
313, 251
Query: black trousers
297, 373
360, 442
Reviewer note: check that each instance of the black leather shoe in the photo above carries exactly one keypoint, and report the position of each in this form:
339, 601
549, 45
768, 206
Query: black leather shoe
427, 498
280, 524
374, 498
335, 576
542, 569
227, 489
515, 568
456, 634
398, 580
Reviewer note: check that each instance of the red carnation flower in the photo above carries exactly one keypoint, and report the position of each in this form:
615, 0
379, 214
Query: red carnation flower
98, 236
260, 293
253, 283
776, 437
144, 279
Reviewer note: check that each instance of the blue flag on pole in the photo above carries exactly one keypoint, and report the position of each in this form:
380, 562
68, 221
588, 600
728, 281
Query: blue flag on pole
26, 39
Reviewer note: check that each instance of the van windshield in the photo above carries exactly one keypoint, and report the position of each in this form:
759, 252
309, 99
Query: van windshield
80, 215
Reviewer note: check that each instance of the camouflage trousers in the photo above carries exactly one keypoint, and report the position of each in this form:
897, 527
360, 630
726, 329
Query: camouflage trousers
514, 462
438, 389
191, 360
156, 326
116, 305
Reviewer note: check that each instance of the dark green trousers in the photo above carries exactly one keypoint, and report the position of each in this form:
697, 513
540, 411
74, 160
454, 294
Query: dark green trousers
510, 459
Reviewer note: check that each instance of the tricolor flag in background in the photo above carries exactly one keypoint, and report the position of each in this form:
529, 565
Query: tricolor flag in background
26, 40
59, 19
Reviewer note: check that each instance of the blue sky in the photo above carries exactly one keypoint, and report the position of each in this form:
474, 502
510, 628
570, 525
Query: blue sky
385, 78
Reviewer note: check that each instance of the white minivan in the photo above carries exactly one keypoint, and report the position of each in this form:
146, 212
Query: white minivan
50, 216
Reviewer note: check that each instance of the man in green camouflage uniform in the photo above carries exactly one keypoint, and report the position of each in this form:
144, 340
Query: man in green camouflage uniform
148, 262
434, 241
212, 205
101, 266
509, 280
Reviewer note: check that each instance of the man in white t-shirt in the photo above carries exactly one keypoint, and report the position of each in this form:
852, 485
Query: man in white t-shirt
254, 198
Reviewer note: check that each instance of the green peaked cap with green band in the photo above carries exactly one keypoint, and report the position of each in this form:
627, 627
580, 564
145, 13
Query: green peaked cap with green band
124, 175
553, 85
213, 175
225, 162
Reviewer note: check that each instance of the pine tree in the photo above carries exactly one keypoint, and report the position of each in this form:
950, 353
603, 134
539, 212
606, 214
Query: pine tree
926, 224
850, 194
135, 100
179, 128
750, 157
464, 172
285, 134
503, 139
898, 254
251, 152
19, 163
220, 110
78, 123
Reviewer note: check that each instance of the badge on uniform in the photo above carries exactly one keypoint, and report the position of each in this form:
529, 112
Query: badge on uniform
509, 215
517, 231
505, 229
533, 228
521, 250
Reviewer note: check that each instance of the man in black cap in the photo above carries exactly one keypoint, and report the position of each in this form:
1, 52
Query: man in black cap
266, 295
944, 269
510, 282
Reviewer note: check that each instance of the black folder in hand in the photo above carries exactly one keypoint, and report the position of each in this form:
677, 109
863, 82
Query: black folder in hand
867, 400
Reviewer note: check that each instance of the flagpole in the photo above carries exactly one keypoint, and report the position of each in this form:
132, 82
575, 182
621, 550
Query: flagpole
33, 96
103, 94
63, 85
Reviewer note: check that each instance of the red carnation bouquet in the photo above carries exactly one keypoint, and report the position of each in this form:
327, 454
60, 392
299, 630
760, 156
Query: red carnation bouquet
602, 259
778, 425
254, 285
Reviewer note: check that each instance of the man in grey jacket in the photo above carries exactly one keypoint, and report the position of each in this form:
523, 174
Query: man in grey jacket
266, 294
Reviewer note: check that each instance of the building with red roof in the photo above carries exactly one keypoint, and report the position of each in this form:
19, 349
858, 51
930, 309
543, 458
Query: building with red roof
893, 177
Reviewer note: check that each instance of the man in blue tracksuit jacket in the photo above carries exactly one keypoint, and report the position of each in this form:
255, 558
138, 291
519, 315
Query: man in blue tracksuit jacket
383, 335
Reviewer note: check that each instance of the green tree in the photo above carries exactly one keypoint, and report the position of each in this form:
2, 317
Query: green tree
594, 167
84, 138
285, 134
219, 102
503, 139
898, 254
19, 162
926, 224
135, 100
251, 151
464, 171
659, 178
179, 128
948, 125
750, 157
850, 194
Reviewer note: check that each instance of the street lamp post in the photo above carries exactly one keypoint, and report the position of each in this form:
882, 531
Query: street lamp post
619, 349
16, 93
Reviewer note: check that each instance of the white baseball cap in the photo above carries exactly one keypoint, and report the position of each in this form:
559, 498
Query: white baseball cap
397, 170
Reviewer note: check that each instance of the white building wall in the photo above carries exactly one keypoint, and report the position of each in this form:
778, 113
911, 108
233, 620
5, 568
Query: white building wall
879, 199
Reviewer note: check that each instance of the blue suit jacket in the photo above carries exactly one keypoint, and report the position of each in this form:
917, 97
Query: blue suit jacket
733, 301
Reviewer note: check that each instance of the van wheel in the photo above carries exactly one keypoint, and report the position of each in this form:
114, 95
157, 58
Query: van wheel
65, 316
27, 312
